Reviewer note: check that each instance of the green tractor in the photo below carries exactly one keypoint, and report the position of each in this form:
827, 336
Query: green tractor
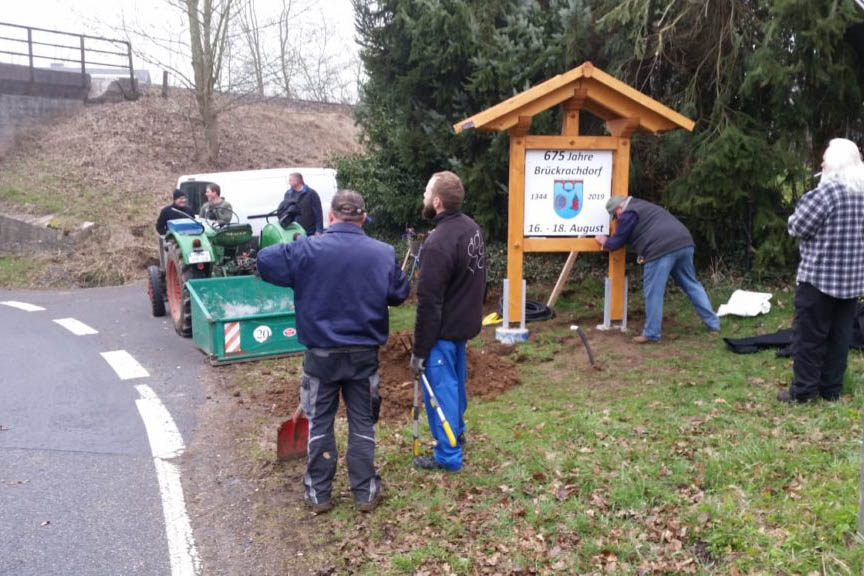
198, 248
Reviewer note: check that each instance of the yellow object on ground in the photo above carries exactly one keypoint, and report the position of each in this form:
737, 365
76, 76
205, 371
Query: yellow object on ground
492, 319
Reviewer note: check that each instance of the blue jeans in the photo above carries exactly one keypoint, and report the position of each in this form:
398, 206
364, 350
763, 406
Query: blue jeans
446, 370
655, 274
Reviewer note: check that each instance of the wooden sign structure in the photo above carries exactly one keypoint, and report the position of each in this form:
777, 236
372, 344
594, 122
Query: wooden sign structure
574, 165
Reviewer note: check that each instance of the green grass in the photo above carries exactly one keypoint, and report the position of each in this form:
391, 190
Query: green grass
674, 459
44, 200
15, 271
402, 319
70, 201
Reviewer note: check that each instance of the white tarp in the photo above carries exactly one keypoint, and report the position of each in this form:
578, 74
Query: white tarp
744, 303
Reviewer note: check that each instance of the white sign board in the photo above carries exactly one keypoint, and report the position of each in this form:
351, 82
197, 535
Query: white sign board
566, 192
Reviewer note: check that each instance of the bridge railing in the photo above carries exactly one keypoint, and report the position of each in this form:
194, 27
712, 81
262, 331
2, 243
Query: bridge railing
41, 48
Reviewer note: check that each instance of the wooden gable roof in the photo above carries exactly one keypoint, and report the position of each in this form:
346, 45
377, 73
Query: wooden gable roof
590, 89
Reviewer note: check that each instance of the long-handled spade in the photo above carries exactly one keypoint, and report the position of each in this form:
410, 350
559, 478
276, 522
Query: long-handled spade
437, 407
415, 413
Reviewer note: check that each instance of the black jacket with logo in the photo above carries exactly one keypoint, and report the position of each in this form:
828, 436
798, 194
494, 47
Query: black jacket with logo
452, 283
170, 212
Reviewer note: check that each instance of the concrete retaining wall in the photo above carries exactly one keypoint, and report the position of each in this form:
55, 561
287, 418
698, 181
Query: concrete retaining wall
20, 111
24, 234
24, 103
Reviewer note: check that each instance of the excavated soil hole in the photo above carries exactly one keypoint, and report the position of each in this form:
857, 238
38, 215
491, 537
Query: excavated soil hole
490, 373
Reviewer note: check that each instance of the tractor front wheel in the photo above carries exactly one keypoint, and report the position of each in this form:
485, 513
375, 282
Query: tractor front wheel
156, 291
176, 276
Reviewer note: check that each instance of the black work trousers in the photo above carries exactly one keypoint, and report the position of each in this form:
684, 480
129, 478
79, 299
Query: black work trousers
821, 335
326, 372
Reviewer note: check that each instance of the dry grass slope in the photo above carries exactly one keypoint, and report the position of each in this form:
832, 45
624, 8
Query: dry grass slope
116, 164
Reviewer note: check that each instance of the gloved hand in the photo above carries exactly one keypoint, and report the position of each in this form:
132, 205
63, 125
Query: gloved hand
418, 365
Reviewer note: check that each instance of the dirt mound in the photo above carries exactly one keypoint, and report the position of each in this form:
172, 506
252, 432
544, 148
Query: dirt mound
490, 373
116, 165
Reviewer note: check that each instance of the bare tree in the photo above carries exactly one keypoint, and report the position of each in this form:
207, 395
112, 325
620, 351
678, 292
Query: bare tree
208, 34
252, 34
313, 64
288, 52
199, 64
227, 59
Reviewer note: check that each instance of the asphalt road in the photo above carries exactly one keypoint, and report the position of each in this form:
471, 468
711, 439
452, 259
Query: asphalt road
79, 492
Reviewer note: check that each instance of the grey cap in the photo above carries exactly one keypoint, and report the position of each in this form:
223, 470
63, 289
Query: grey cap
614, 202
348, 204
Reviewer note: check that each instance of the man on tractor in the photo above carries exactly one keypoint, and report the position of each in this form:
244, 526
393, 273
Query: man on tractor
175, 210
343, 282
216, 208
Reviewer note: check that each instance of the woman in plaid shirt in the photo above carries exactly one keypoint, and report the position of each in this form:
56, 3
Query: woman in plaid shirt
829, 222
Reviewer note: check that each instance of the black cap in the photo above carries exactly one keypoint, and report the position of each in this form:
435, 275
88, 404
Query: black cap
178, 193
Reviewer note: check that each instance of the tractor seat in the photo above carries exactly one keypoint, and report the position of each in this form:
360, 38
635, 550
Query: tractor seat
232, 235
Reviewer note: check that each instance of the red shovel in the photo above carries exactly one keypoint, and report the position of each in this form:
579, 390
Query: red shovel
293, 437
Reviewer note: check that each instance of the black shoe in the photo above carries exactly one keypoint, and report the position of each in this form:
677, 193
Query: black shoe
318, 507
784, 395
372, 504
427, 463
831, 397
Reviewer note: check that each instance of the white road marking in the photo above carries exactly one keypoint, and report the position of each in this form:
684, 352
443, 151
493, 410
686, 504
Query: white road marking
166, 443
165, 439
22, 306
77, 327
125, 365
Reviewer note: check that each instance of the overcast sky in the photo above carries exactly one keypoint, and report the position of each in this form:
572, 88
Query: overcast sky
157, 17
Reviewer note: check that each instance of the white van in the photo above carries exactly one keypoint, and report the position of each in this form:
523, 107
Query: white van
253, 192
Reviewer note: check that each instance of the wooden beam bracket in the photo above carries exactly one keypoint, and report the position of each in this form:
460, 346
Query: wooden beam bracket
523, 124
622, 127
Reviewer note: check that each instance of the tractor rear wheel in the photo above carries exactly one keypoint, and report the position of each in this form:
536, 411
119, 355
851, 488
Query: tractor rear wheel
179, 300
156, 291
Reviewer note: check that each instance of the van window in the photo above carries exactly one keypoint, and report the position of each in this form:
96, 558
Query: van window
195, 197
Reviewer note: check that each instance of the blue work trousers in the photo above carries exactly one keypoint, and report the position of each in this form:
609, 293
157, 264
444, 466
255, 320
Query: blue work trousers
447, 372
679, 265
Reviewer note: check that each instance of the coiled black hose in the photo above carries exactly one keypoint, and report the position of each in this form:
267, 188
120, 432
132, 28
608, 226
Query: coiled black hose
534, 311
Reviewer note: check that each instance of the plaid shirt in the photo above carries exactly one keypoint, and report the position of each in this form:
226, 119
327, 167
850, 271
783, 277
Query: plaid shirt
829, 221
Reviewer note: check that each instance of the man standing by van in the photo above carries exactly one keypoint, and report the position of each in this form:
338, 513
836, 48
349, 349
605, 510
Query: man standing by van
216, 208
308, 205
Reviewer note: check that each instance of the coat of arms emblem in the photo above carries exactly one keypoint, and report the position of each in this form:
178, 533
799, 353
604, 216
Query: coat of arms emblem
568, 198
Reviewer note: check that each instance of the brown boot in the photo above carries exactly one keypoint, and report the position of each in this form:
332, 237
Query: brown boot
370, 506
318, 507
643, 340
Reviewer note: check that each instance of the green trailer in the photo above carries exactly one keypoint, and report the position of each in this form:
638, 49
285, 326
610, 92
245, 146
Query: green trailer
241, 318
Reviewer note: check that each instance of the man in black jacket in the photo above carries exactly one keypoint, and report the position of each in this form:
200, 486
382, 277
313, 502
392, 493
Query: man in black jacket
450, 295
307, 204
175, 210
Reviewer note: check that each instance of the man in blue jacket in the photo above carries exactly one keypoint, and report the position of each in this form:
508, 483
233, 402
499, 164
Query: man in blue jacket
305, 202
665, 248
450, 294
343, 282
